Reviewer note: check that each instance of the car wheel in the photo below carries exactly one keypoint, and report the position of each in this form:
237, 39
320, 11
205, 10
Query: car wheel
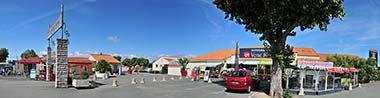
249, 89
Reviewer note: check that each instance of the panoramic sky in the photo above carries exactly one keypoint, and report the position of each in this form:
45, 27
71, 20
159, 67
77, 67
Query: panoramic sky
152, 28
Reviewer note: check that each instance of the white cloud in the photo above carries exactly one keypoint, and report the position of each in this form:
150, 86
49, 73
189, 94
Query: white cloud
113, 39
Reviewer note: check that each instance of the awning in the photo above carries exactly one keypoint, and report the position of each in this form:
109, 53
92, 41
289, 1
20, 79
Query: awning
351, 69
210, 64
335, 70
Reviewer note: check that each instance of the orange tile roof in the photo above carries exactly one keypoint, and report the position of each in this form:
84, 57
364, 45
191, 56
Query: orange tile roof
305, 51
79, 60
257, 47
216, 55
169, 59
106, 57
324, 56
301, 51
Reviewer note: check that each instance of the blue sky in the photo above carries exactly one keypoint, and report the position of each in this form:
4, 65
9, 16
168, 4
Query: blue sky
150, 28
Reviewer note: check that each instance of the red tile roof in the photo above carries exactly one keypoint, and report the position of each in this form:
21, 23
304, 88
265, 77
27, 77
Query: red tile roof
305, 51
36, 60
106, 57
79, 60
324, 56
216, 55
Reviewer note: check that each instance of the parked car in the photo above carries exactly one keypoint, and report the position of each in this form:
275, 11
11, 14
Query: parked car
240, 80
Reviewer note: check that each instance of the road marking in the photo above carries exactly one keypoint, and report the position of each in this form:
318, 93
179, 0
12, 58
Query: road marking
251, 95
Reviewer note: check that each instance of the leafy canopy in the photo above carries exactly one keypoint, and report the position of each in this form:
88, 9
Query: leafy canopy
29, 53
3, 54
135, 61
103, 66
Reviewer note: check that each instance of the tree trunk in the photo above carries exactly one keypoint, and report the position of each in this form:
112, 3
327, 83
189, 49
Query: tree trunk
276, 80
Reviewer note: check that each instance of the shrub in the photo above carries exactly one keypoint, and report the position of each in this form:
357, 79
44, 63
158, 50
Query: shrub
287, 94
103, 66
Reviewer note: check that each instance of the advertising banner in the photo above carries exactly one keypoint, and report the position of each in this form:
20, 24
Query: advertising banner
373, 54
303, 64
207, 75
253, 53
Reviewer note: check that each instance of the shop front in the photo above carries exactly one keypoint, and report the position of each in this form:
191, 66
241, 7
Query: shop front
315, 78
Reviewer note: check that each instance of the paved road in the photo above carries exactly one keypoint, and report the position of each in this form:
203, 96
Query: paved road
169, 89
367, 91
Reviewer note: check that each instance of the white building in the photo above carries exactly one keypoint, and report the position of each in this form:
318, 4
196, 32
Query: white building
162, 61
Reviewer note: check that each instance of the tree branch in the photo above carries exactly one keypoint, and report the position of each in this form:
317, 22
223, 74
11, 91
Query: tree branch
290, 29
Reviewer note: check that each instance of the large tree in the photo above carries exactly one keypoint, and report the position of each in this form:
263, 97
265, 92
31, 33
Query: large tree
275, 21
117, 58
3, 54
29, 53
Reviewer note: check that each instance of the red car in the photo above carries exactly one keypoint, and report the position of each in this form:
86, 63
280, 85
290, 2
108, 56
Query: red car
239, 80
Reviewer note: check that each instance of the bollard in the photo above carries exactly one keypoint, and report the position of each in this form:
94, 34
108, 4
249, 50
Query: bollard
172, 78
180, 77
163, 78
142, 80
114, 83
104, 77
360, 86
94, 78
154, 79
301, 92
133, 81
209, 80
350, 87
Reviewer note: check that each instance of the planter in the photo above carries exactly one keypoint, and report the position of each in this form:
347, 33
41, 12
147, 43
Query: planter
81, 83
101, 75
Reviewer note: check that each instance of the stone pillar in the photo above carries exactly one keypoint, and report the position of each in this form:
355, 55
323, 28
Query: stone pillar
61, 64
301, 91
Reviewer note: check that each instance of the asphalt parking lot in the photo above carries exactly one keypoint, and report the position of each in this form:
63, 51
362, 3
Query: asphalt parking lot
177, 88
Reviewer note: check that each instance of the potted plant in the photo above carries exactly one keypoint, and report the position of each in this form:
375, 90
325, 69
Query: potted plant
184, 62
102, 69
80, 79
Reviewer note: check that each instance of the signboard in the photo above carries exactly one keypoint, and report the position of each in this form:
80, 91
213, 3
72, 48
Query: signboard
373, 54
207, 75
253, 53
55, 27
303, 64
33, 73
61, 63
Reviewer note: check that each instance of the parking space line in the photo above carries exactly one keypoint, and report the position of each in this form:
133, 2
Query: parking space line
251, 95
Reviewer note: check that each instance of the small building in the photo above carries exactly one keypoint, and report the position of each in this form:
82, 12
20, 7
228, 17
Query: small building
174, 69
31, 65
80, 64
114, 63
163, 61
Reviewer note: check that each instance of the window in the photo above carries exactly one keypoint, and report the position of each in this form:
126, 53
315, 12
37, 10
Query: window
156, 65
238, 74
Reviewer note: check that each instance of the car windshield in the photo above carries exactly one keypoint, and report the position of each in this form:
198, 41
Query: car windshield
238, 74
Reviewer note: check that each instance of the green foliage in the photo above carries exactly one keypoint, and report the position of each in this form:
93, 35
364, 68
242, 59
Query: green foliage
287, 94
80, 74
135, 61
367, 71
164, 69
4, 54
103, 66
183, 62
117, 58
29, 53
